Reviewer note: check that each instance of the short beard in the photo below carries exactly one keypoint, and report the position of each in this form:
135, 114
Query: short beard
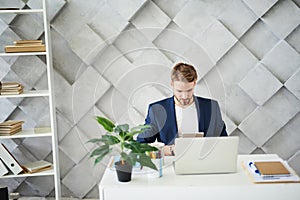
188, 103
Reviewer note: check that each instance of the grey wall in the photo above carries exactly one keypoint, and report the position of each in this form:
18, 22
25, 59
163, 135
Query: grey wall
114, 57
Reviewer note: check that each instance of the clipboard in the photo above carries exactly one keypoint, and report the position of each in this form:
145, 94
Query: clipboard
267, 179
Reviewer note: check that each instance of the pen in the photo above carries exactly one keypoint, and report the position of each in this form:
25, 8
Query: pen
252, 166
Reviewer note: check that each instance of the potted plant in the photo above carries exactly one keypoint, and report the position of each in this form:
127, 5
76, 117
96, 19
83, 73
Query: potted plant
121, 139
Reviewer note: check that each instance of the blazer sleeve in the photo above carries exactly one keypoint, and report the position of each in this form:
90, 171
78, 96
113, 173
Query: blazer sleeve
151, 134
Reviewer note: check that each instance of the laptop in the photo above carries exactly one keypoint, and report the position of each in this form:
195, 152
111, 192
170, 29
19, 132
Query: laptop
206, 155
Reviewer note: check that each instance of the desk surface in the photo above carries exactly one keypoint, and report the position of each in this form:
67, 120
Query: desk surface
208, 186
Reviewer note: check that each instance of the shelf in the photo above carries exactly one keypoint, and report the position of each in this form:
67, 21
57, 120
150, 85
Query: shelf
24, 54
36, 132
31, 93
16, 11
43, 173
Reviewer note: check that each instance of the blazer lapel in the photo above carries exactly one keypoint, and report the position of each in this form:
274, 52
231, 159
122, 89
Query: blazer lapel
172, 122
200, 113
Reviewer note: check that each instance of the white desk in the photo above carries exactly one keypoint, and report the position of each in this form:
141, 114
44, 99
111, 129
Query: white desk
188, 187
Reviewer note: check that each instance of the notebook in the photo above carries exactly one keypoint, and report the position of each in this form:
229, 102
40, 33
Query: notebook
206, 155
271, 168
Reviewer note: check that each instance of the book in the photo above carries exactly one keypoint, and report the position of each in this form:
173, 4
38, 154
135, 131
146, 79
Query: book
37, 166
10, 132
11, 124
27, 48
8, 85
11, 93
17, 89
28, 42
9, 160
11, 89
3, 129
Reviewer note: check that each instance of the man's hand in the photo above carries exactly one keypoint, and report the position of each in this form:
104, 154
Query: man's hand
169, 150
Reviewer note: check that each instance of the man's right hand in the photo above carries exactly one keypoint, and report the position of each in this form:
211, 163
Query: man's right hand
169, 150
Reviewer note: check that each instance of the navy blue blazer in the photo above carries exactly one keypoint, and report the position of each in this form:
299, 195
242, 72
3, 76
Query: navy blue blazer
162, 119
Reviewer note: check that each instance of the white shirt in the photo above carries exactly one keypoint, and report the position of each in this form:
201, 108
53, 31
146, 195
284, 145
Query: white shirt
187, 119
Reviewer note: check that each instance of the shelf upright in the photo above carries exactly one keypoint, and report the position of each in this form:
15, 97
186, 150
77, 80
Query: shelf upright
51, 131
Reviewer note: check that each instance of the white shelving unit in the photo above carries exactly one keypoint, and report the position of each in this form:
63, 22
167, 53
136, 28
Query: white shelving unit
49, 94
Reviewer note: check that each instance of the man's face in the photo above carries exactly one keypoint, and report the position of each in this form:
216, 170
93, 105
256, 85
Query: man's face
183, 92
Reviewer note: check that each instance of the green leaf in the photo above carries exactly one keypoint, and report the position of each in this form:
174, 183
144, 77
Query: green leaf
99, 150
132, 133
123, 127
95, 140
128, 137
138, 129
102, 155
110, 139
132, 146
141, 127
122, 134
137, 147
131, 159
106, 123
146, 147
146, 161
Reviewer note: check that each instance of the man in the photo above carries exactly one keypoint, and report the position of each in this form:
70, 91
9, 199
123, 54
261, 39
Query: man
183, 113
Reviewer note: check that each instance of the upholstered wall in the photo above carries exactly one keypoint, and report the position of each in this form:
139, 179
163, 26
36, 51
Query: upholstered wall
113, 57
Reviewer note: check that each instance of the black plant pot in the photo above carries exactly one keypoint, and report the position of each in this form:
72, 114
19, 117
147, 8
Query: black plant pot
123, 171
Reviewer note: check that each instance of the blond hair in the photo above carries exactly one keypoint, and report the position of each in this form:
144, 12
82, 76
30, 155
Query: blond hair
183, 72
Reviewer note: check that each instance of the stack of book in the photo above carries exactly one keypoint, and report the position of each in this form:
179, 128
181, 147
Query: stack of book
11, 88
26, 46
10, 127
271, 171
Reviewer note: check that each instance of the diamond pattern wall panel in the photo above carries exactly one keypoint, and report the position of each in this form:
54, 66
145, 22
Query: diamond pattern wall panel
282, 61
282, 10
232, 20
151, 20
293, 84
260, 84
259, 39
260, 7
113, 58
